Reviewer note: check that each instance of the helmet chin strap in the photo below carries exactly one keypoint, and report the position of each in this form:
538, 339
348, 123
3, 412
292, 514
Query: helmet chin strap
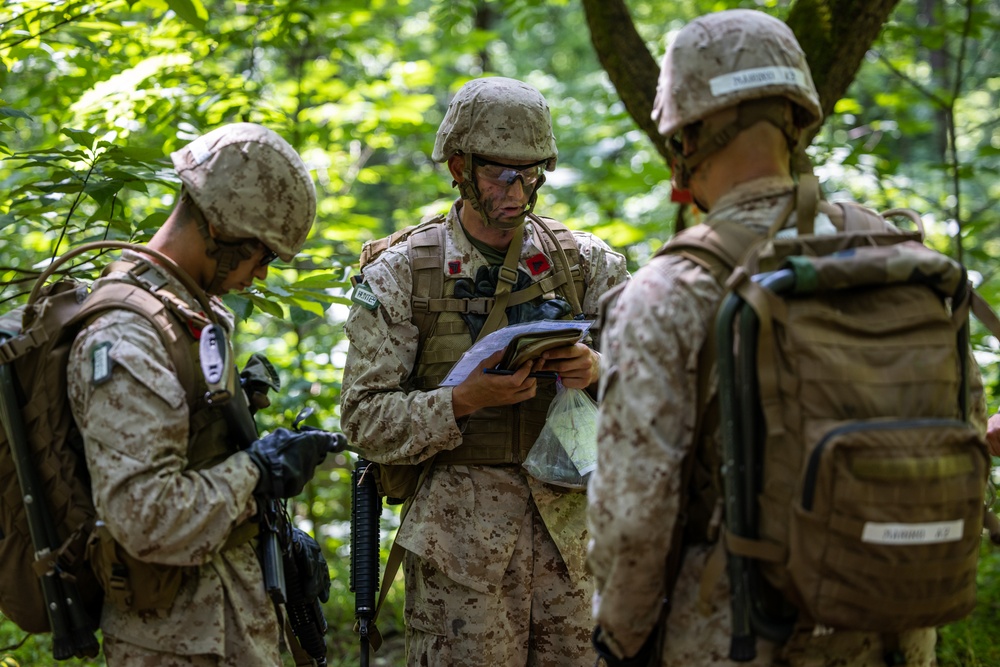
227, 254
729, 123
470, 192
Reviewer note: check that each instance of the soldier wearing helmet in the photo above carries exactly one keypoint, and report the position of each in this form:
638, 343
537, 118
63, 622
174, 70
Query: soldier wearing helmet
735, 97
175, 497
493, 558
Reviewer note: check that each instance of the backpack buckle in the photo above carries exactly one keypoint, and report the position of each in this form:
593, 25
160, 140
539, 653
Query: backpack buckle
507, 275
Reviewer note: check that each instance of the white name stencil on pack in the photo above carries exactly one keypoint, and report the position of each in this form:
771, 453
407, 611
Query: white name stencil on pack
913, 533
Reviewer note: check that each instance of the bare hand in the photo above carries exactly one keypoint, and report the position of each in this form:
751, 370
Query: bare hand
993, 435
481, 390
578, 366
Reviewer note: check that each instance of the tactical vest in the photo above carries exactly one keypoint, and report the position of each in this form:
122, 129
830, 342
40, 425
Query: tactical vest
491, 436
131, 584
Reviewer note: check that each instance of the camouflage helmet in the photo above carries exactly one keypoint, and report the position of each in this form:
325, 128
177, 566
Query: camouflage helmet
720, 60
502, 118
248, 182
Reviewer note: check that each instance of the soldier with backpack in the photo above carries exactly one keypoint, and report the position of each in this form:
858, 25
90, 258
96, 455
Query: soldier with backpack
735, 97
175, 493
493, 559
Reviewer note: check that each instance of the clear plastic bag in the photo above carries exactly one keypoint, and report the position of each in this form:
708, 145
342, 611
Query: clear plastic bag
565, 452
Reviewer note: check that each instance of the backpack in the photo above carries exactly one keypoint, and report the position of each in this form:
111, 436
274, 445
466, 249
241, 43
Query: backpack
426, 249
46, 583
853, 483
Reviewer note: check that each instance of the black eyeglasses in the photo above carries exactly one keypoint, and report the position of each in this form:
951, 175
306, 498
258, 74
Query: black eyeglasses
504, 175
269, 256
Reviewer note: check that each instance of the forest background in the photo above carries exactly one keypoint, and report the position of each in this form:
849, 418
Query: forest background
94, 95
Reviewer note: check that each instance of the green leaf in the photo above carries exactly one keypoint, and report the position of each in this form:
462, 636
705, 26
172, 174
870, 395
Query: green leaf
152, 221
321, 281
301, 316
11, 111
85, 139
137, 153
192, 11
240, 304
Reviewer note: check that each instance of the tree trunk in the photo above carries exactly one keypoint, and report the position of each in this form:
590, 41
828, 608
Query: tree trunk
835, 35
630, 66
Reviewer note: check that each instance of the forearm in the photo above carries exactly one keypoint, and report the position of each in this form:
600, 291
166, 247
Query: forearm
392, 426
161, 513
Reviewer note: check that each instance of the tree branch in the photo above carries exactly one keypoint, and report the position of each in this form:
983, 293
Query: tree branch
632, 69
835, 35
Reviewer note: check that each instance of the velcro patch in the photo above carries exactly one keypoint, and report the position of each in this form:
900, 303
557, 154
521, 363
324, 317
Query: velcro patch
364, 296
454, 267
100, 362
538, 264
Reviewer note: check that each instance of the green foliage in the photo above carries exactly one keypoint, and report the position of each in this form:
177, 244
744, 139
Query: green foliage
95, 94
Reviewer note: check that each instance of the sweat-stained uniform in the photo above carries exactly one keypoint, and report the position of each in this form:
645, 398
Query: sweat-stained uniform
136, 426
652, 336
486, 581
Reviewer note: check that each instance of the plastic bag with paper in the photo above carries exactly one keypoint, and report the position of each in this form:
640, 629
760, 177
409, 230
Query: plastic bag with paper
566, 449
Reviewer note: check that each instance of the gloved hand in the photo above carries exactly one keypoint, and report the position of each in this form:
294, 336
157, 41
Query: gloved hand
287, 460
314, 574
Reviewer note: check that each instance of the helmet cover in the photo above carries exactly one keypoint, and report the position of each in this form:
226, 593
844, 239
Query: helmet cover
502, 118
719, 60
248, 182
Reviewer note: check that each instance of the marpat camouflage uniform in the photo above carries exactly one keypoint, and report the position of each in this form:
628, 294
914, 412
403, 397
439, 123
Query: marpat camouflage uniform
651, 340
135, 427
487, 583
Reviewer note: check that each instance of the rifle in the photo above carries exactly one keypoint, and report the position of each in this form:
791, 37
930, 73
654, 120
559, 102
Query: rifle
72, 628
366, 508
277, 554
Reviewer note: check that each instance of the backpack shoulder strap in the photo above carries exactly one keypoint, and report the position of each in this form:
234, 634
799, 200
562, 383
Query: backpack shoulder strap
169, 324
425, 250
718, 248
559, 242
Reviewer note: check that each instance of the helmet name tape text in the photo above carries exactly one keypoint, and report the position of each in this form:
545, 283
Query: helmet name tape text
756, 78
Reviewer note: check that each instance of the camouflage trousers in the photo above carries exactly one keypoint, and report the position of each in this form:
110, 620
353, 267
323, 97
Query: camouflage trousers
698, 632
119, 653
535, 617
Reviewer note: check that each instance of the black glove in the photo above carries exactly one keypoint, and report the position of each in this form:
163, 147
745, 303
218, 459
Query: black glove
314, 574
287, 460
485, 286
643, 658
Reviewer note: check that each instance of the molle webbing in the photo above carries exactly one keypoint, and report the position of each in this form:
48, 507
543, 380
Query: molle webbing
495, 436
427, 245
487, 437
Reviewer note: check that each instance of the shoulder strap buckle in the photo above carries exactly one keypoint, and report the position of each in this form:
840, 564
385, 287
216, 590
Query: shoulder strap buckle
508, 275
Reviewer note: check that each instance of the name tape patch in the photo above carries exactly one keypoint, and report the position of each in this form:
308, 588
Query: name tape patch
364, 296
912, 533
757, 77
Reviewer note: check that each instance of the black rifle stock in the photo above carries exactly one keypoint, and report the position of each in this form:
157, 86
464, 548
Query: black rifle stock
305, 616
366, 508
72, 629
